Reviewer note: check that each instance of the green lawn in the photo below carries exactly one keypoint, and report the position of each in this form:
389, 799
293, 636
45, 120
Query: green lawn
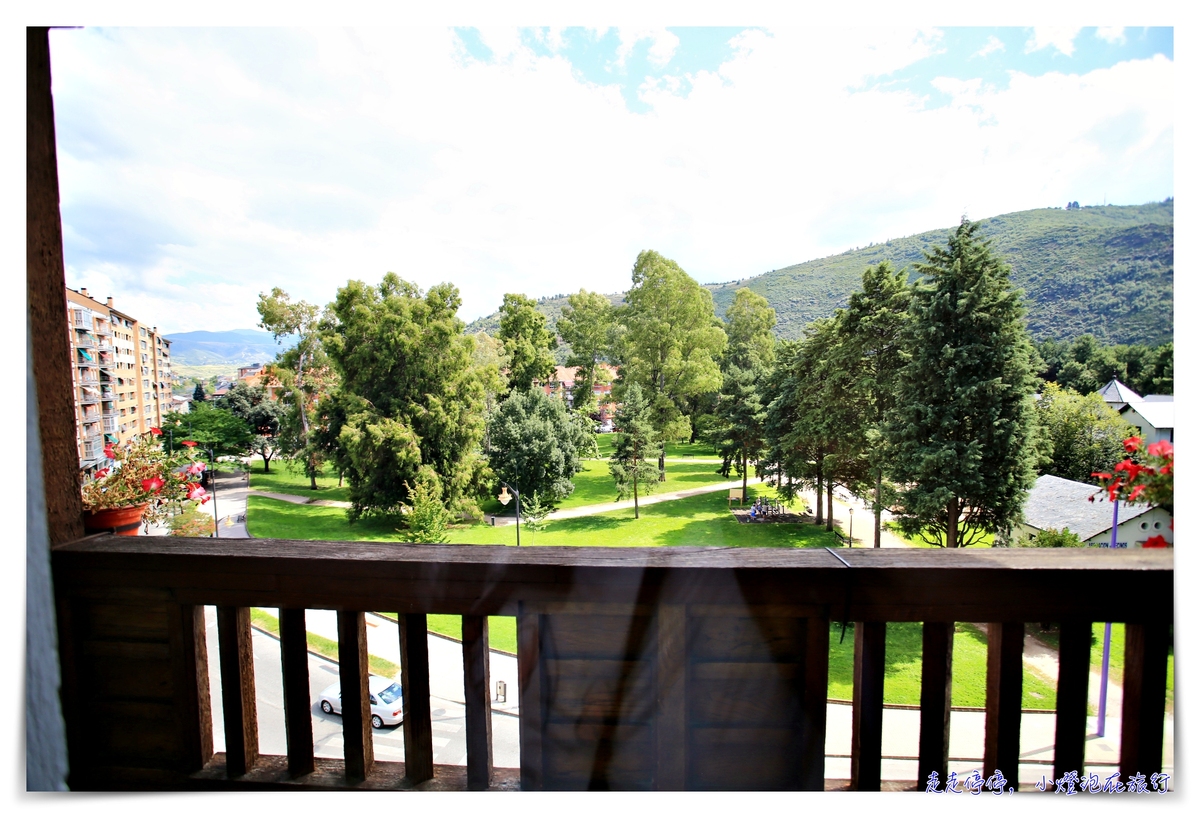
902, 680
289, 478
917, 542
700, 520
605, 442
1116, 654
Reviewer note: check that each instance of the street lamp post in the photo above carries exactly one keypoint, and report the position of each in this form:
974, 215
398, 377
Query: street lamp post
504, 497
216, 517
851, 509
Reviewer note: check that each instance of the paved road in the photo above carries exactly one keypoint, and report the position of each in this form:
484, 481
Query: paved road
449, 736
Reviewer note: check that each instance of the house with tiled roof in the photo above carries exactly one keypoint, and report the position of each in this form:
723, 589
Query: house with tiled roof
1055, 503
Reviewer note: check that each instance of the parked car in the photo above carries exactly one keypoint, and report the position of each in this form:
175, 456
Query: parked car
386, 700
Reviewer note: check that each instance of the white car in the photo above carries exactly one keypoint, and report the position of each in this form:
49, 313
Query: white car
386, 700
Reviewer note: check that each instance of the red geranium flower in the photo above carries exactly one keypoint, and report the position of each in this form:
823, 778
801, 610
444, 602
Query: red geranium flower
154, 484
1157, 541
188, 443
109, 453
1132, 443
1162, 448
101, 473
155, 430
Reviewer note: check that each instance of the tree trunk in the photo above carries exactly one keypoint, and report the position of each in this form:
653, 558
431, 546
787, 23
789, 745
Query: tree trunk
820, 494
662, 463
745, 475
952, 512
829, 505
636, 516
878, 507
312, 472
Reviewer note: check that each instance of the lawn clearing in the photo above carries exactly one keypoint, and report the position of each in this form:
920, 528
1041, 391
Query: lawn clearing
287, 477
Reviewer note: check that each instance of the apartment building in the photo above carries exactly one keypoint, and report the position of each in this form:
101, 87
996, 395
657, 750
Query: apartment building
121, 375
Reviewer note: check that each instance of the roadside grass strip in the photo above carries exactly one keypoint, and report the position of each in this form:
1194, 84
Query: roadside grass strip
322, 646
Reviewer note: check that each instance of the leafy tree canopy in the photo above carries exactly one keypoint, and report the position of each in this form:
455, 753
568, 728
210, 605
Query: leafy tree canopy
527, 342
218, 429
587, 325
535, 445
634, 441
1080, 434
750, 326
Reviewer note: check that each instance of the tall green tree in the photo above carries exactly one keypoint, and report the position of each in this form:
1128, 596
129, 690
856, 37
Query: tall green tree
962, 435
869, 331
587, 325
634, 441
750, 325
670, 345
303, 370
535, 445
411, 396
1081, 434
740, 437
217, 429
528, 344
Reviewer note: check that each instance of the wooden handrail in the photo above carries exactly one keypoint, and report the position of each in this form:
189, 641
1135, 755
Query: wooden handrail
668, 668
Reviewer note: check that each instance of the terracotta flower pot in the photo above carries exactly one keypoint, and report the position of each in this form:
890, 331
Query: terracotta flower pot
126, 520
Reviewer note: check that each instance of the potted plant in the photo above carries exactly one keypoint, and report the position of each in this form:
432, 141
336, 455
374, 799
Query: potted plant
143, 483
1147, 475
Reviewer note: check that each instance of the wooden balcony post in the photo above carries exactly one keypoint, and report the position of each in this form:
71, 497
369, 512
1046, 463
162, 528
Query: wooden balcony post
1002, 721
414, 678
237, 689
357, 745
816, 695
297, 703
189, 650
937, 661
671, 696
477, 689
1144, 698
1070, 723
866, 738
529, 673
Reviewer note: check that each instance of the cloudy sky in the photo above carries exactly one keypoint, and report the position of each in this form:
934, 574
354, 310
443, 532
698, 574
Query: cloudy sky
200, 167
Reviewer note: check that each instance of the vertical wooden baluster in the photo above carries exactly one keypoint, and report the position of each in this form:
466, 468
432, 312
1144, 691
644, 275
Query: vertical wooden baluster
671, 694
477, 686
866, 742
237, 689
1144, 698
1070, 723
358, 748
1002, 721
529, 689
937, 654
297, 704
414, 678
816, 703
189, 651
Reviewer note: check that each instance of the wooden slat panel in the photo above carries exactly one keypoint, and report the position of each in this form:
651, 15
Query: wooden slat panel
672, 694
414, 678
193, 703
127, 622
237, 689
816, 691
125, 678
937, 655
297, 714
1002, 721
731, 758
1070, 724
529, 689
866, 741
747, 639
599, 690
1143, 702
136, 734
746, 694
599, 757
357, 746
477, 688
568, 636
80, 758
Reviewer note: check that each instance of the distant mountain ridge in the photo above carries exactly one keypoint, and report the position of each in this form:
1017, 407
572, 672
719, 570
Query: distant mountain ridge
234, 347
1108, 271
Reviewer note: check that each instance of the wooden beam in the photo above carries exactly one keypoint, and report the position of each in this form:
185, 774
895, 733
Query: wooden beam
671, 698
937, 660
45, 283
414, 678
1144, 698
1070, 723
816, 694
529, 689
866, 737
297, 702
357, 745
477, 687
1002, 720
237, 689
189, 662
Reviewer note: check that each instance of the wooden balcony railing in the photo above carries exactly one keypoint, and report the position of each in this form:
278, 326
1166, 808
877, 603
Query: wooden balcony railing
666, 668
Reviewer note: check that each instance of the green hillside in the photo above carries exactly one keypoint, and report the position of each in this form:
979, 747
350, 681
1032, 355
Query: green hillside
1104, 270
1108, 271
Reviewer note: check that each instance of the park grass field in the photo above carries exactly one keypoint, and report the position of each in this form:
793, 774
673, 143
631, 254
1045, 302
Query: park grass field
287, 478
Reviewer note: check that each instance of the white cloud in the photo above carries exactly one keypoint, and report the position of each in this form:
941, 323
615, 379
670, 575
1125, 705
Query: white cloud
1112, 34
1061, 38
662, 44
204, 169
992, 45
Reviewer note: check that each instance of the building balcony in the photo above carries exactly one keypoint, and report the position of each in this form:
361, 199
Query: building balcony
84, 340
640, 668
86, 398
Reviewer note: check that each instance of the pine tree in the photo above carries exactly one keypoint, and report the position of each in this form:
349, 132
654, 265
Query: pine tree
527, 342
198, 393
633, 443
740, 437
961, 438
